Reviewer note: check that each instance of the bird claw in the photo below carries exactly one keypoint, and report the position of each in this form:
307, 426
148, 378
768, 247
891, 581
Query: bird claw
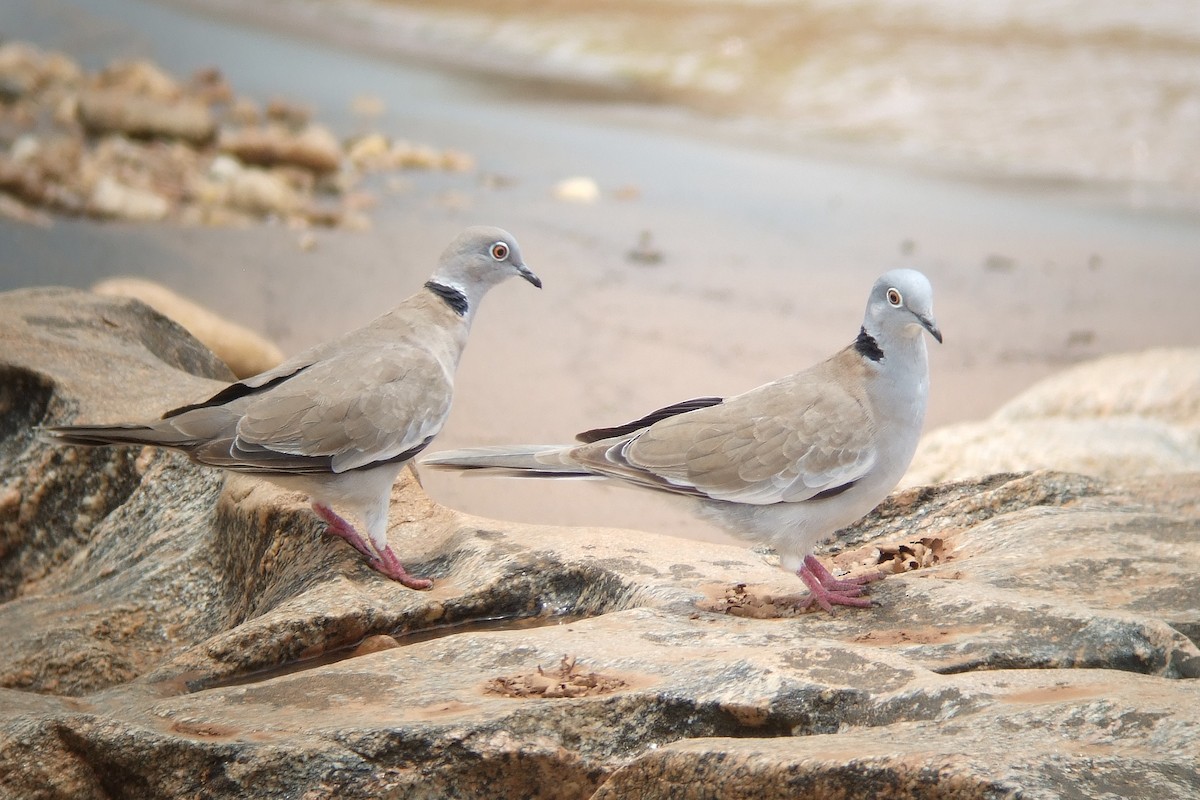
385, 563
388, 564
827, 591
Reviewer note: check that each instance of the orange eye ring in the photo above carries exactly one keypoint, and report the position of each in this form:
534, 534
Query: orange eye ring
894, 297
499, 251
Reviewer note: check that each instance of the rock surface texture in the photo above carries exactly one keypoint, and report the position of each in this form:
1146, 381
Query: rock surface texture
170, 636
1116, 417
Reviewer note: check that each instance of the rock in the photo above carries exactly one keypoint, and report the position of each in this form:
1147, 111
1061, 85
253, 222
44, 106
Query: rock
1161, 384
261, 192
209, 85
113, 199
406, 155
169, 636
139, 77
1025, 736
131, 142
246, 352
457, 161
1108, 448
1132, 414
314, 148
14, 209
369, 152
107, 111
26, 69
290, 114
245, 112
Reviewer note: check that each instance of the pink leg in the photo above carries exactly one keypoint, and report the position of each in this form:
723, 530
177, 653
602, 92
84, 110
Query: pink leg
386, 562
817, 569
827, 591
340, 527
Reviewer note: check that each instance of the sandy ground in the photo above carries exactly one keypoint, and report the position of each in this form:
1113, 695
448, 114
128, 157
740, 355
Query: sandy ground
767, 253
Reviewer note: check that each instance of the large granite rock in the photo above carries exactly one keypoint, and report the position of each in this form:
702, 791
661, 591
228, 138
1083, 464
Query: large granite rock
1115, 417
168, 634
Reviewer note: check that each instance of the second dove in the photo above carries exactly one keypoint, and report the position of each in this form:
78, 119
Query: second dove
786, 464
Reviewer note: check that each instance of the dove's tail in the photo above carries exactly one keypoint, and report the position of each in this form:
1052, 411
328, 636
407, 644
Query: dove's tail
523, 460
99, 435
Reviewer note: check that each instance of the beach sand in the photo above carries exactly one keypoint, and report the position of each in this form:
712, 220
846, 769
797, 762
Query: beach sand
767, 251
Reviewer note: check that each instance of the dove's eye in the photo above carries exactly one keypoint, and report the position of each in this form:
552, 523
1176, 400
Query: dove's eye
499, 251
894, 297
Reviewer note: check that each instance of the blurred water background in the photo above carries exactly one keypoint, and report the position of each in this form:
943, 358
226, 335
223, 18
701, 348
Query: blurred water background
1095, 95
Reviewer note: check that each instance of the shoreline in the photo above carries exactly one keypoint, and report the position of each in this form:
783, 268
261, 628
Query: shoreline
363, 27
394, 33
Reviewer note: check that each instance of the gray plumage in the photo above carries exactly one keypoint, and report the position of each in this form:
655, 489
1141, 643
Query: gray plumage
787, 463
340, 420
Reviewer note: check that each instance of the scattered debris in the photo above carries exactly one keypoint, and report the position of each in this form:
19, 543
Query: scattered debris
908, 556
739, 601
999, 263
567, 680
644, 252
1081, 337
132, 142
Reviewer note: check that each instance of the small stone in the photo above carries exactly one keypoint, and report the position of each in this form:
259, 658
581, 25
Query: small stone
406, 155
285, 111
577, 190
999, 263
314, 148
262, 192
369, 152
111, 198
139, 77
374, 644
141, 116
457, 161
367, 105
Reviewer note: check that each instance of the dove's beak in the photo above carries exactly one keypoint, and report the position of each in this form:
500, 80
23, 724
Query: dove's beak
528, 275
928, 324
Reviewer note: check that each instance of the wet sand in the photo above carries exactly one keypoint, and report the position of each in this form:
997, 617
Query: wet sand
767, 252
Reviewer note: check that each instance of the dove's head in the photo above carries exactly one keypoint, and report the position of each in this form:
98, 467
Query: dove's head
901, 304
478, 259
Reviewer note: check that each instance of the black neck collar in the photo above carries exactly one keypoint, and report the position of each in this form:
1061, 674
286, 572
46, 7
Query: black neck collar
867, 347
453, 297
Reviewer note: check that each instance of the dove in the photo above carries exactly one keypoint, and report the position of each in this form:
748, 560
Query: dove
340, 420
786, 464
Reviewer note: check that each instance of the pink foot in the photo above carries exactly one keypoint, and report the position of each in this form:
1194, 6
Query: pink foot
827, 591
385, 563
390, 565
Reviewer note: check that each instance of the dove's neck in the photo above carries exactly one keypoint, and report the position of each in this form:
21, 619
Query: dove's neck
460, 296
451, 295
901, 364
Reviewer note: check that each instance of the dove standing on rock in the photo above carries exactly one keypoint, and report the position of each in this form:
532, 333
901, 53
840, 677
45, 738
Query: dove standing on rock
340, 420
788, 463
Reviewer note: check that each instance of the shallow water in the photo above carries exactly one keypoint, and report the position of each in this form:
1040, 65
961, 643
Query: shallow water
1097, 91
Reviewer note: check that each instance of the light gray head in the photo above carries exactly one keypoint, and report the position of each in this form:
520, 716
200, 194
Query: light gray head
900, 308
478, 259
